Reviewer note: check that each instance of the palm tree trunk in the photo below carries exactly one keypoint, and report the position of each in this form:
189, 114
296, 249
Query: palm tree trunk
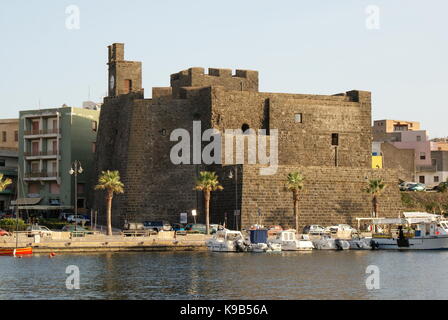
375, 206
207, 211
296, 209
109, 213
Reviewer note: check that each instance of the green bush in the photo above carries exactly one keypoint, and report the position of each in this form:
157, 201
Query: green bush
11, 225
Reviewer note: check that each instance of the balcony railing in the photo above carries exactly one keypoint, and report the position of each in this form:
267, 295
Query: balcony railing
41, 153
426, 168
41, 132
41, 174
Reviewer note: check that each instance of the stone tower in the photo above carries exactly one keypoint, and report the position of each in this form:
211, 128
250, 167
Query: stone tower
124, 76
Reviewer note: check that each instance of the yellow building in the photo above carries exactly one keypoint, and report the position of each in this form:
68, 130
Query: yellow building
9, 134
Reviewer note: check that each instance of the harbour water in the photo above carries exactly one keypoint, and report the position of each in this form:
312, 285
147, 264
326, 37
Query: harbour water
206, 275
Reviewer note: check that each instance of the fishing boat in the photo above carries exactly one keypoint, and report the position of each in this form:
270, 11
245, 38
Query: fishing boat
416, 231
227, 241
259, 242
289, 242
15, 252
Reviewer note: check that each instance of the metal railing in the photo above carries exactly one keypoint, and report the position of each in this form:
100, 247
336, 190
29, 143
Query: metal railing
41, 174
42, 131
41, 153
426, 168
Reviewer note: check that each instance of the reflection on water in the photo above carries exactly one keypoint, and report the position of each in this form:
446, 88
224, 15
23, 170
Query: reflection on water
205, 275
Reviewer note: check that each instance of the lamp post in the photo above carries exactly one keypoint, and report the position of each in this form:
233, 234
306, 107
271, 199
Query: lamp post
74, 171
231, 176
194, 213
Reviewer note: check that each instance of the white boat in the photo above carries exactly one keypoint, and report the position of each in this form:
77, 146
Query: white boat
416, 231
226, 241
265, 247
259, 242
289, 242
328, 243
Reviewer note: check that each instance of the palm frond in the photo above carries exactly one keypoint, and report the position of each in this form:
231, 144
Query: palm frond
294, 181
208, 181
110, 181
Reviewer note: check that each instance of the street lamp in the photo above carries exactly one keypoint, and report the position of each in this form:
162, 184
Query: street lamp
74, 171
194, 213
231, 176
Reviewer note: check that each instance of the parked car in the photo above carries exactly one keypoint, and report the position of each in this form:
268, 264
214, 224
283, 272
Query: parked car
441, 186
178, 227
40, 230
313, 229
133, 226
340, 227
404, 186
157, 225
78, 219
4, 233
417, 187
64, 215
201, 228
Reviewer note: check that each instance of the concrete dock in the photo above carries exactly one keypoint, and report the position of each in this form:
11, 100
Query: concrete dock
60, 242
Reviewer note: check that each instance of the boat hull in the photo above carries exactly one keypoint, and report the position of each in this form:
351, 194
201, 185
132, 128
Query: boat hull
430, 243
16, 252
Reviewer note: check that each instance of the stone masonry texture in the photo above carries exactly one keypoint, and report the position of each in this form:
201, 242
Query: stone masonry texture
134, 138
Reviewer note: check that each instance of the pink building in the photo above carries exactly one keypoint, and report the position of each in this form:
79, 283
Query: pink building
408, 135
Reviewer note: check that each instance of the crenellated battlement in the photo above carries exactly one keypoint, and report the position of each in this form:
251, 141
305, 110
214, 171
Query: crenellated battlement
241, 80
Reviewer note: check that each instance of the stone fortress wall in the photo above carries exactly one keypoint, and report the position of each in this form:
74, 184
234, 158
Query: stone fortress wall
134, 138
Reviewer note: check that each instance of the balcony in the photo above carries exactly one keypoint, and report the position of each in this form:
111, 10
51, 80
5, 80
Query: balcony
41, 154
40, 175
426, 168
41, 133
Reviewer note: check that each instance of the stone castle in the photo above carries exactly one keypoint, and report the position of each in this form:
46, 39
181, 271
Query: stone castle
327, 138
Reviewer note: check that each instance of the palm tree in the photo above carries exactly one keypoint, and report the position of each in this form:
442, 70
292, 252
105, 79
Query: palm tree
375, 187
4, 183
207, 182
110, 181
294, 183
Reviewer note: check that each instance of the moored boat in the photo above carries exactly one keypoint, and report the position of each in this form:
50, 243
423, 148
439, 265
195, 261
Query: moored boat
13, 252
289, 242
226, 241
259, 242
416, 231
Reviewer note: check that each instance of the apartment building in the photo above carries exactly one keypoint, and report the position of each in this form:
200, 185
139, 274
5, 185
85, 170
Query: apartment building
49, 142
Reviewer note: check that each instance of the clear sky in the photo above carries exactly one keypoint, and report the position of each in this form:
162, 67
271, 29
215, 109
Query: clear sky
321, 47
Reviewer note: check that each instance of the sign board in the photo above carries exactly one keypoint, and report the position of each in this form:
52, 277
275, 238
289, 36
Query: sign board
183, 217
236, 212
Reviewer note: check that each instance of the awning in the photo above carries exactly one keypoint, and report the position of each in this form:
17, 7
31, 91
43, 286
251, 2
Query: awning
26, 201
45, 208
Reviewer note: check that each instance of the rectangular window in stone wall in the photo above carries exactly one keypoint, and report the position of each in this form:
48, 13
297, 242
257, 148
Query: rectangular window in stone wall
298, 118
127, 85
334, 139
422, 156
4, 136
436, 178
